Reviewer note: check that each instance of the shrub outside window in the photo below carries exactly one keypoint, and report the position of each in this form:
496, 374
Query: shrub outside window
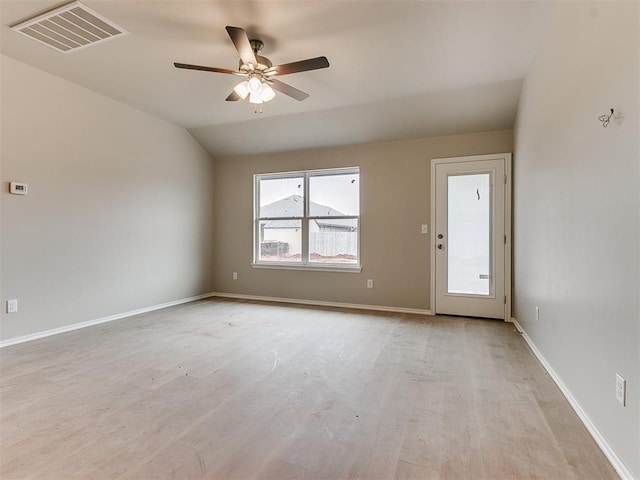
307, 219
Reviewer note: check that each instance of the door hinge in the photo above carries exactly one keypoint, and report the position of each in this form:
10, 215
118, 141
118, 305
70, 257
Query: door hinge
505, 299
505, 239
505, 178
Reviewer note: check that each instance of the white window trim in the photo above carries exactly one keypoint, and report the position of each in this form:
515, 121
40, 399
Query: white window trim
308, 266
330, 267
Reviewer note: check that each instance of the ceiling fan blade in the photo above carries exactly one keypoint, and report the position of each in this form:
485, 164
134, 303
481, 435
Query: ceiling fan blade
288, 90
233, 97
241, 42
300, 66
204, 69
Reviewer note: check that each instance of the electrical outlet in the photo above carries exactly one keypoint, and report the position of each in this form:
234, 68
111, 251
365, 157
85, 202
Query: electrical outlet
537, 314
621, 389
369, 283
235, 275
12, 306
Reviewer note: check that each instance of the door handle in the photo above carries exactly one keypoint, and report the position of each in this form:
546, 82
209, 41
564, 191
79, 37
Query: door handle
440, 246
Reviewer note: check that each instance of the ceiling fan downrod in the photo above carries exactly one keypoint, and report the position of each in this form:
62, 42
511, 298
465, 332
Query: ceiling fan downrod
256, 46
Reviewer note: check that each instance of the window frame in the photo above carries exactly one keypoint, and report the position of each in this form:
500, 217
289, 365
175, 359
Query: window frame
305, 219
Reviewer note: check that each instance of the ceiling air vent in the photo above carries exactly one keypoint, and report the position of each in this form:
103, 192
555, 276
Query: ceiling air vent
69, 28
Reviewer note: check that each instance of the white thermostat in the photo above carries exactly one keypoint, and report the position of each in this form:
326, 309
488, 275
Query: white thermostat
18, 188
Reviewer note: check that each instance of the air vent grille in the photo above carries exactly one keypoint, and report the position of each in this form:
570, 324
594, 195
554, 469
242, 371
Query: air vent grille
69, 28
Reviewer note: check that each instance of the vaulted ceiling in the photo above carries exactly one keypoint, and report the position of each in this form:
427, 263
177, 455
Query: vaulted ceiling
399, 69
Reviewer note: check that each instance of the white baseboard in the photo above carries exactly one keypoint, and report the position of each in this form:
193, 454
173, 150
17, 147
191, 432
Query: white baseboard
76, 326
616, 462
318, 303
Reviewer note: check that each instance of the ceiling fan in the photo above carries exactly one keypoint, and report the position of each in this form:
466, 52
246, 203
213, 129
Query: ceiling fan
259, 72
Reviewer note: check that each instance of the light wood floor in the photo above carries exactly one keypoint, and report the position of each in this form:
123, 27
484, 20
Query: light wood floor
231, 389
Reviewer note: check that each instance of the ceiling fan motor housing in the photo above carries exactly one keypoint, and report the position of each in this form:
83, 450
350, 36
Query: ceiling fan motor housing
263, 62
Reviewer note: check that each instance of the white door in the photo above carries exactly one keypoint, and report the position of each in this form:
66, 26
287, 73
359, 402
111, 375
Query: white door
470, 236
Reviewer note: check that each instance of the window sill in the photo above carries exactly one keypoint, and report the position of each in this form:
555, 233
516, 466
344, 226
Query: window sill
313, 268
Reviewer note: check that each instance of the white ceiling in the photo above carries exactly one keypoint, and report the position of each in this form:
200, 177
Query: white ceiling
399, 69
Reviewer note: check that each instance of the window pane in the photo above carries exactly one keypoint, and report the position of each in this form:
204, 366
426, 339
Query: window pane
280, 240
469, 224
281, 197
334, 195
333, 241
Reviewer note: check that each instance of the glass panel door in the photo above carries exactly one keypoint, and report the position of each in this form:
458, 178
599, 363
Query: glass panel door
470, 217
469, 234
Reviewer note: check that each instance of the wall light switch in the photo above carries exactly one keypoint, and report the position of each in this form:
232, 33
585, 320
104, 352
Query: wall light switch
235, 275
425, 228
12, 306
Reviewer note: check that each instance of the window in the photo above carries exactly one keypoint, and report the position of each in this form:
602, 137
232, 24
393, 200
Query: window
307, 219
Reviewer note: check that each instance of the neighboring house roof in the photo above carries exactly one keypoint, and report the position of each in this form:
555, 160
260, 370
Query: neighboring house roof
293, 206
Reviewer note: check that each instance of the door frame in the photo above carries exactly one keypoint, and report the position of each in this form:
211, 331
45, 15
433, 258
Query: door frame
506, 157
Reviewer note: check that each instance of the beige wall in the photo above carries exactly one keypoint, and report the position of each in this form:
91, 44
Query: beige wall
576, 231
119, 211
394, 199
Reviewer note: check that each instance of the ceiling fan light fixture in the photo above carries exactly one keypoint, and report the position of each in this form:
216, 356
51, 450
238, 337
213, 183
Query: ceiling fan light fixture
267, 92
257, 91
255, 98
254, 84
242, 89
